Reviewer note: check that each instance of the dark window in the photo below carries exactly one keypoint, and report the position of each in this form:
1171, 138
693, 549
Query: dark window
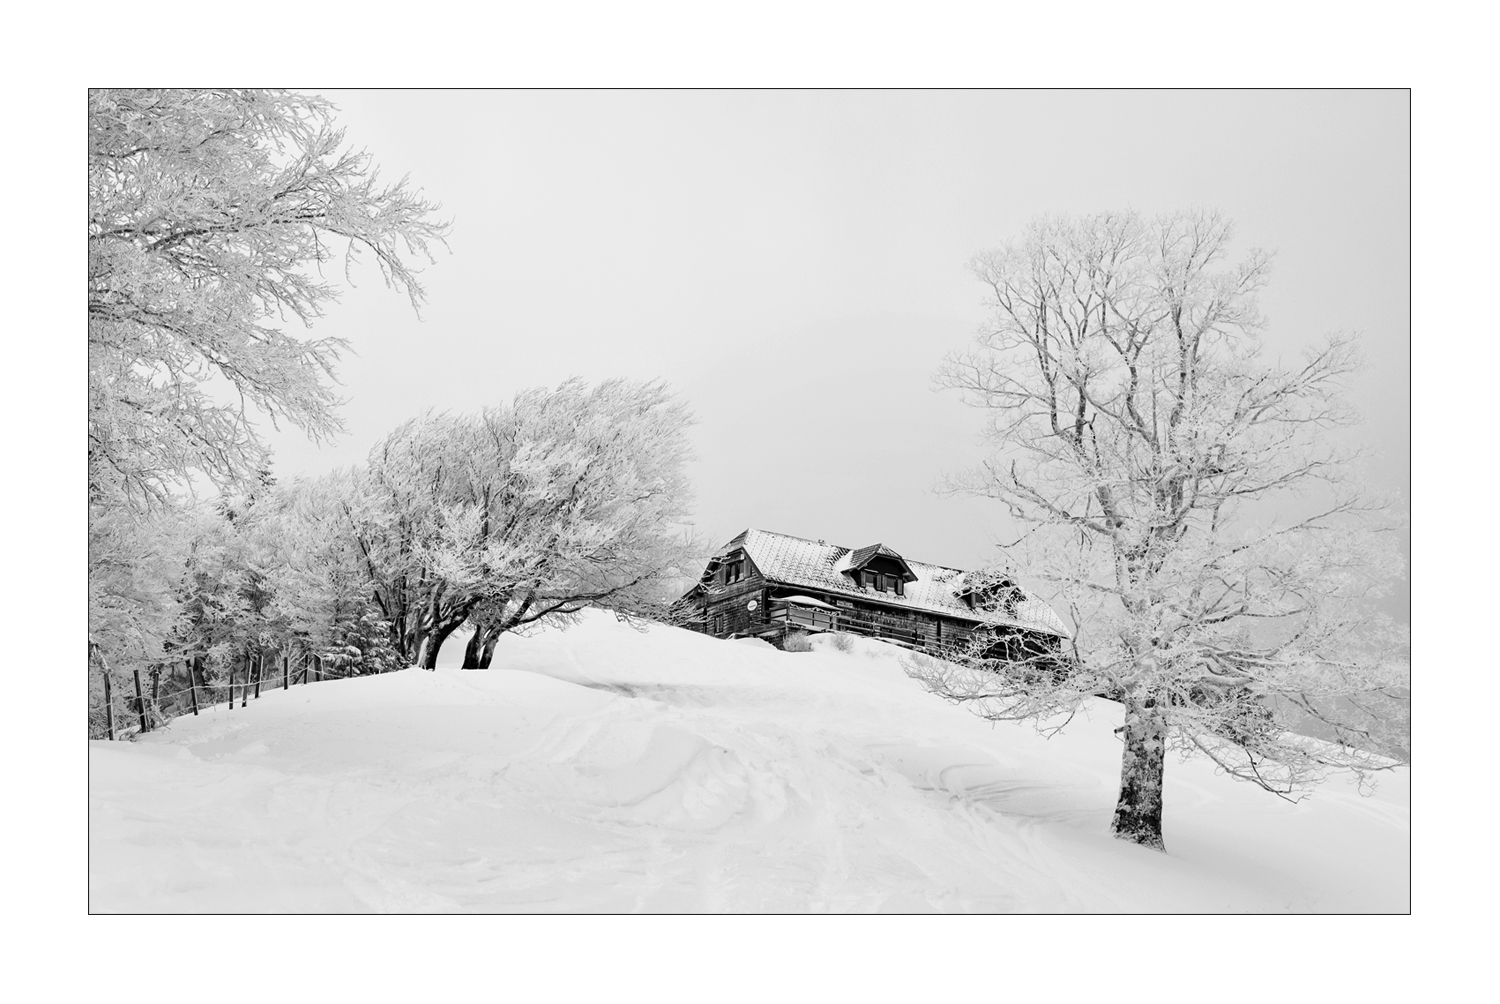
899, 585
1010, 597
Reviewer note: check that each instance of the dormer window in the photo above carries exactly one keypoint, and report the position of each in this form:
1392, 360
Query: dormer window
878, 568
1000, 596
725, 570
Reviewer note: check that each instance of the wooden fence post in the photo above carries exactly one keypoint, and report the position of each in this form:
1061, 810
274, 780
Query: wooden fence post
318, 667
192, 686
109, 704
260, 670
307, 660
140, 702
245, 687
286, 669
109, 697
156, 714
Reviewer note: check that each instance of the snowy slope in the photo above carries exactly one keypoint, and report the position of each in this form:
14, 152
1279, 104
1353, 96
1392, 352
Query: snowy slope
607, 769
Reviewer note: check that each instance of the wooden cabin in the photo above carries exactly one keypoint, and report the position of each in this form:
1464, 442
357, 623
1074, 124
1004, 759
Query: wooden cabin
774, 586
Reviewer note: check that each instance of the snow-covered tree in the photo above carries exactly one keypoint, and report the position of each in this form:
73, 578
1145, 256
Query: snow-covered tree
561, 500
211, 214
1214, 548
217, 592
135, 564
321, 586
169, 584
596, 497
224, 587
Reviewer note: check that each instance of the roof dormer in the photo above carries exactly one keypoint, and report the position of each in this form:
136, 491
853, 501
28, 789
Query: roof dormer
879, 568
727, 569
991, 593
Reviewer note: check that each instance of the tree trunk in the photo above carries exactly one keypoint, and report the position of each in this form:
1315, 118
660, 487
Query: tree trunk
1138, 812
489, 649
433, 641
481, 647
473, 648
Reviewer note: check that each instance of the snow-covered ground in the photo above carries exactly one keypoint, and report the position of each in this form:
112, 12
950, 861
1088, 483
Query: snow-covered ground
607, 769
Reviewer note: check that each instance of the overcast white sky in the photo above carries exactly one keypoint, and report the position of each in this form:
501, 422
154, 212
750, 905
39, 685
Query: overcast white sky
793, 264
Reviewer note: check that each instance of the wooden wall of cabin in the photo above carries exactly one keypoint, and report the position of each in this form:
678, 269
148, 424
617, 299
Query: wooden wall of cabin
927, 630
726, 613
730, 603
918, 627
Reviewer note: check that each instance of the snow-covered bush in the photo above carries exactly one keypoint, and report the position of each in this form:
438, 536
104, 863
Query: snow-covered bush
797, 641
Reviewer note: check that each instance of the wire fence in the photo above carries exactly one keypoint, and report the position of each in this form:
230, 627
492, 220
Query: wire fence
126, 704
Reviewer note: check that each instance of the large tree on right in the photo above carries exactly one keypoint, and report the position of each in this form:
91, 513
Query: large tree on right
1212, 544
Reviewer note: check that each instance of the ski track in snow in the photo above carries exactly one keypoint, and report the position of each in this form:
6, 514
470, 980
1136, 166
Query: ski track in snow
608, 769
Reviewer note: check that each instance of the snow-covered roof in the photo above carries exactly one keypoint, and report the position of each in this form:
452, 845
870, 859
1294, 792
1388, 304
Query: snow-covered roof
794, 561
862, 556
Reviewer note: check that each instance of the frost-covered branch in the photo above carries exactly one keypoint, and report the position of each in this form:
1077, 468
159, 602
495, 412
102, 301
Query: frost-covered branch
209, 217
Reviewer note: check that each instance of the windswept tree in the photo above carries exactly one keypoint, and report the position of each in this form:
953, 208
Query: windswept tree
1216, 553
562, 500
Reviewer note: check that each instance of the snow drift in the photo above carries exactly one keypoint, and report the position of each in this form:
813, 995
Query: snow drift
605, 768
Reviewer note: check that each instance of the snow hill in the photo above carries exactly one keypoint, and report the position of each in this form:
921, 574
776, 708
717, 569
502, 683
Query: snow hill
604, 768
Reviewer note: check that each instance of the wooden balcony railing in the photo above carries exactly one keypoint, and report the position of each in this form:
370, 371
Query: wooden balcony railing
887, 627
